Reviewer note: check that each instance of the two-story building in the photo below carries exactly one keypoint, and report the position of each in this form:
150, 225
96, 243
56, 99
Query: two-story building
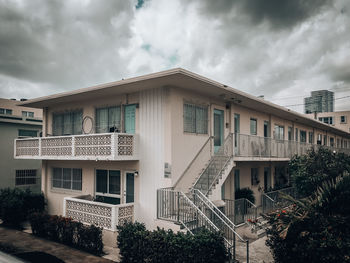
18, 122
107, 149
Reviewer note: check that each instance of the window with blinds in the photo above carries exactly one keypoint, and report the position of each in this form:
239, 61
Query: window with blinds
108, 119
67, 123
67, 178
195, 118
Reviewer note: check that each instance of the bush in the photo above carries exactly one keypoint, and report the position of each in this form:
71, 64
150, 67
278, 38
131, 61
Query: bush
137, 244
66, 231
314, 229
246, 193
16, 205
309, 171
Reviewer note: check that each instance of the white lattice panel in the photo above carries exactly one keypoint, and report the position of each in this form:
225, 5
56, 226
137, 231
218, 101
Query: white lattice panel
89, 213
125, 145
95, 145
29, 147
125, 214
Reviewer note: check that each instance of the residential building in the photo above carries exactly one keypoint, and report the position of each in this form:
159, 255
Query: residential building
339, 119
108, 152
320, 101
18, 122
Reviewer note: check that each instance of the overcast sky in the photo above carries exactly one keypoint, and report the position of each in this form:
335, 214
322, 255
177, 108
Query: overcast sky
282, 49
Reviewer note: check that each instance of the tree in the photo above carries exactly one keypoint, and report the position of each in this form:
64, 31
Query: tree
310, 171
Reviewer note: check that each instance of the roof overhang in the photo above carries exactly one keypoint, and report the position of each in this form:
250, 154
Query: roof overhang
187, 80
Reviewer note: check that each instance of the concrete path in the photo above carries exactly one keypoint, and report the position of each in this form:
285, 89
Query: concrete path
258, 252
25, 242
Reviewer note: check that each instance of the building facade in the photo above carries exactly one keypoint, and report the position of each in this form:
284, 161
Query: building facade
320, 101
338, 119
107, 151
18, 122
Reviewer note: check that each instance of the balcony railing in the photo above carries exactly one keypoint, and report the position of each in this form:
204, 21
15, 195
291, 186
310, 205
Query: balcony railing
255, 146
102, 146
100, 214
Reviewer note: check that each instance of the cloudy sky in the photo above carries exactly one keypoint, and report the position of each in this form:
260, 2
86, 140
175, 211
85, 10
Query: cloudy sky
282, 49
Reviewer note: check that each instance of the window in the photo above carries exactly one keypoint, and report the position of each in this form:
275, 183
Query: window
67, 178
331, 141
338, 143
254, 176
5, 111
237, 180
319, 139
195, 118
296, 134
327, 120
25, 177
29, 114
108, 119
279, 132
253, 126
302, 136
345, 144
342, 119
67, 123
311, 137
27, 133
108, 186
324, 139
290, 133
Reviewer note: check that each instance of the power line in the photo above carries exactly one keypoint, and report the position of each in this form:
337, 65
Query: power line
310, 103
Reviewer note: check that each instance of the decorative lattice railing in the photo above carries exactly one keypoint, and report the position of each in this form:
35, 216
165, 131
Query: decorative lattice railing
100, 214
102, 146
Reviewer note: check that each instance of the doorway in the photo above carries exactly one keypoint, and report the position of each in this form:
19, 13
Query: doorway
218, 129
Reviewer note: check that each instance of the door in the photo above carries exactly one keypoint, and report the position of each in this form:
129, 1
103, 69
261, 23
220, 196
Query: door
218, 129
129, 187
237, 131
267, 179
266, 129
129, 118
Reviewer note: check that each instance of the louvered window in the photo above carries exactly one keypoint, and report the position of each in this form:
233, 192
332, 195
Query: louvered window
195, 118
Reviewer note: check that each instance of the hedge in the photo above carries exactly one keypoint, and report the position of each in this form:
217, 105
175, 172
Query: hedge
65, 230
137, 244
16, 205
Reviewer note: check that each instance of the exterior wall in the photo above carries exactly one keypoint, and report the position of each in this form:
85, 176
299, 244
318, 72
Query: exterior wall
9, 165
245, 178
17, 110
89, 108
336, 118
55, 196
184, 146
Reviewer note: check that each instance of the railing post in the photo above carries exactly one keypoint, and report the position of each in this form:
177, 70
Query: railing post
178, 207
114, 218
39, 145
113, 145
73, 145
247, 251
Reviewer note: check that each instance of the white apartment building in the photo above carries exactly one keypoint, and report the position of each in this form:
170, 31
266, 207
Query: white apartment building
106, 150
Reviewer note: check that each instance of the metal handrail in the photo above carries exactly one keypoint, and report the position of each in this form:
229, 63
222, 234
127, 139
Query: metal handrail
192, 161
207, 200
216, 177
268, 197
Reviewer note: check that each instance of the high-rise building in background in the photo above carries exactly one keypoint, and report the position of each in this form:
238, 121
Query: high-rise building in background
320, 101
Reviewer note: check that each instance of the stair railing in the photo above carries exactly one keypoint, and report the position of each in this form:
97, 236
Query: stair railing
211, 173
240, 210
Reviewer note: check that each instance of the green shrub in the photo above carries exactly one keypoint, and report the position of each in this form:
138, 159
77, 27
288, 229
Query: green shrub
16, 205
66, 231
137, 244
246, 193
309, 171
315, 229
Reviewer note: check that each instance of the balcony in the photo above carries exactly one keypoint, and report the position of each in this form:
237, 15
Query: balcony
102, 146
107, 216
249, 147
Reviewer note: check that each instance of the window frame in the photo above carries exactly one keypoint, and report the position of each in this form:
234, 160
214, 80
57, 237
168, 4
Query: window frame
108, 194
62, 180
303, 136
27, 114
343, 121
74, 122
109, 128
25, 175
27, 136
195, 125
254, 176
279, 136
252, 120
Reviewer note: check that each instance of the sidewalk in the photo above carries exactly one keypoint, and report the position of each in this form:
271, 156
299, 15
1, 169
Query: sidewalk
26, 242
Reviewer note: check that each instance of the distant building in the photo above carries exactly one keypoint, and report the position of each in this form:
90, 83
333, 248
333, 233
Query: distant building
18, 122
339, 119
320, 101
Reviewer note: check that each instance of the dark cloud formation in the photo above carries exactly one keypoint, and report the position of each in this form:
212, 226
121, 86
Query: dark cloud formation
278, 48
279, 13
